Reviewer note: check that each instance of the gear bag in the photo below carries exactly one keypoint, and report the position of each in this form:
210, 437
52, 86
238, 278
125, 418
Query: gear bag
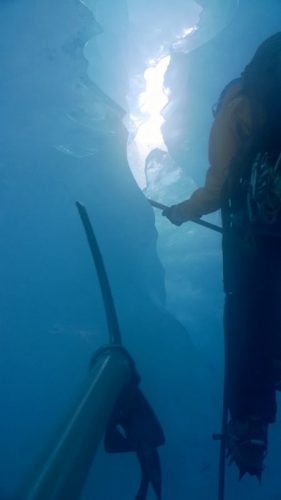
253, 192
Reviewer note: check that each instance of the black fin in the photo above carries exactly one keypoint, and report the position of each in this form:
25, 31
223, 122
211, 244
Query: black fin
143, 490
134, 427
151, 468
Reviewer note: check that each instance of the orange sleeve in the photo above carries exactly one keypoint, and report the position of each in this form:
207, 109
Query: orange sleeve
231, 127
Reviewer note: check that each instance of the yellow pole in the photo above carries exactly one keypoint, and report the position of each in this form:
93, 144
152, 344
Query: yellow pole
62, 471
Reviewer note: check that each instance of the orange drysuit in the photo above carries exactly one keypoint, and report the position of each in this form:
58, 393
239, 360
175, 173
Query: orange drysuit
232, 126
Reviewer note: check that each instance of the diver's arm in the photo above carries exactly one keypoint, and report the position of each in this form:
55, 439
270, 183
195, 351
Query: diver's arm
230, 128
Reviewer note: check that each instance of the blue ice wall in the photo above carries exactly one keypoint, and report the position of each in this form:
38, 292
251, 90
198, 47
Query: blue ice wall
62, 138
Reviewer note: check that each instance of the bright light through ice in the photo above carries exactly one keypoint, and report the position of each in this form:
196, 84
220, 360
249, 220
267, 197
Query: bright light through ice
150, 104
154, 98
180, 41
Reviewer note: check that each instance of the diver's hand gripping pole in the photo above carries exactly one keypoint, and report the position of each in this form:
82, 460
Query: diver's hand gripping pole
200, 222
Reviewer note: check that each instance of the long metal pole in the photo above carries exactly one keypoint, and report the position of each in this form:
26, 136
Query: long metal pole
222, 436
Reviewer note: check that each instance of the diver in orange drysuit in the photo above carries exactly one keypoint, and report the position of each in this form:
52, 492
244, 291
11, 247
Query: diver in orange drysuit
248, 113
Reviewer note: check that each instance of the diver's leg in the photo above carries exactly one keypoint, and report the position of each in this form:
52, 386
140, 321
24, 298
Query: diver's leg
248, 357
248, 348
273, 284
248, 279
250, 395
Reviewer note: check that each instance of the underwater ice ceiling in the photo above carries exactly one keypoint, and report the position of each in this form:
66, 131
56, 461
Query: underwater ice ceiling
139, 40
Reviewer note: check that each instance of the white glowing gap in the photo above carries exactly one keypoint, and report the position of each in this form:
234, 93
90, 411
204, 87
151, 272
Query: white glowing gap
151, 102
154, 98
149, 120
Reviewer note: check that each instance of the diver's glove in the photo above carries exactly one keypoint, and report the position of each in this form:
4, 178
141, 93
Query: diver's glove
180, 213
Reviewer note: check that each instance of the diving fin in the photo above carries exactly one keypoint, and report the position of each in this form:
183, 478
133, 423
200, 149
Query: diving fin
151, 472
134, 427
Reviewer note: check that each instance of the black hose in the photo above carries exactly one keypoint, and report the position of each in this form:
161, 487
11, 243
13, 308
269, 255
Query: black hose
110, 311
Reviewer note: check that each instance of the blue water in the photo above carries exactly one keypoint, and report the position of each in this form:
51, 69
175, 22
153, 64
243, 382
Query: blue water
63, 138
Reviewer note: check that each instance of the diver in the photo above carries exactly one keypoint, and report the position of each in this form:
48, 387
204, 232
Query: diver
244, 181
